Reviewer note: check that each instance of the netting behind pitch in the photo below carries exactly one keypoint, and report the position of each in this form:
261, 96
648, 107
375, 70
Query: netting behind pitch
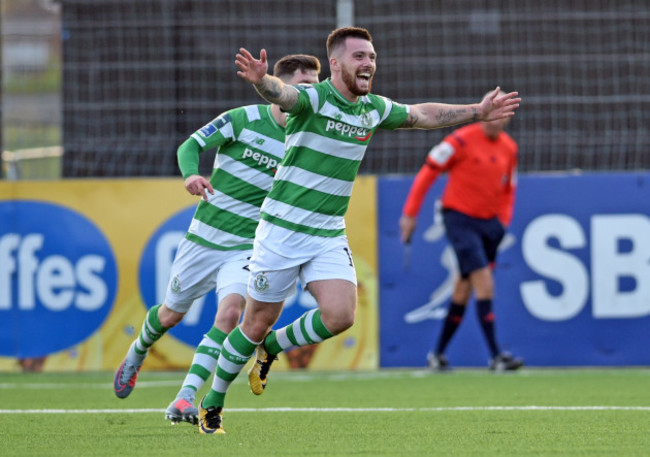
581, 67
139, 77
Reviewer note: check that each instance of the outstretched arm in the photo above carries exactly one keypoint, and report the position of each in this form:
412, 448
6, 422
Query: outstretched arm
269, 87
436, 115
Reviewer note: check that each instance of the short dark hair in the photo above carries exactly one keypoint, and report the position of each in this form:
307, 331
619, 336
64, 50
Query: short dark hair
287, 66
338, 37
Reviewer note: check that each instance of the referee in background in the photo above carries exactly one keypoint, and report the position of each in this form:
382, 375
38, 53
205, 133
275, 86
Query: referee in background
477, 205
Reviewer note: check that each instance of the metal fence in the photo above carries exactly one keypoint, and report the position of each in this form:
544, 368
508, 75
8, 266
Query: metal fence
139, 77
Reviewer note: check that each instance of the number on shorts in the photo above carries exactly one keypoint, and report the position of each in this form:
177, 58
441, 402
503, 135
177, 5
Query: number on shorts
247, 267
347, 251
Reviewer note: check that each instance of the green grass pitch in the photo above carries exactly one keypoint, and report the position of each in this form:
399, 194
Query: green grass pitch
534, 412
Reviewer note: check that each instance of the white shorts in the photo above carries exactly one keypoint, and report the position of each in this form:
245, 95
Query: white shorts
197, 269
281, 257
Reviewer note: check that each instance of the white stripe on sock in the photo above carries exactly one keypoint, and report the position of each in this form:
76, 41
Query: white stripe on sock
230, 367
220, 385
309, 326
297, 332
206, 361
282, 338
230, 349
209, 343
193, 380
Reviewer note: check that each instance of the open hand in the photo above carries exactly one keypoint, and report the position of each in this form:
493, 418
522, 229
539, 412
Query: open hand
250, 68
498, 106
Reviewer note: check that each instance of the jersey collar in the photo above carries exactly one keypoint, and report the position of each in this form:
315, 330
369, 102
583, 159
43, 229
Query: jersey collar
273, 121
337, 94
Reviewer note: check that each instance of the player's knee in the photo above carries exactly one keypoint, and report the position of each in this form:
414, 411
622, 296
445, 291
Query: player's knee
339, 322
228, 317
345, 323
169, 318
256, 330
259, 318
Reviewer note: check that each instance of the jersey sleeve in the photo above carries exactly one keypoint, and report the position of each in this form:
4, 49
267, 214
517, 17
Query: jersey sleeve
217, 132
214, 134
308, 95
421, 184
188, 157
439, 159
395, 114
441, 156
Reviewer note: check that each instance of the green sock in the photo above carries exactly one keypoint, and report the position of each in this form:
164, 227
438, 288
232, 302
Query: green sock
151, 332
307, 329
205, 359
229, 366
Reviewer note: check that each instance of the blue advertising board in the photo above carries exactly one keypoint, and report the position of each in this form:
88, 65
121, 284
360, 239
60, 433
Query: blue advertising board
572, 276
57, 278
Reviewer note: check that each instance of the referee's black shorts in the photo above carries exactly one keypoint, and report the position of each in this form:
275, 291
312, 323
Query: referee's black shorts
475, 241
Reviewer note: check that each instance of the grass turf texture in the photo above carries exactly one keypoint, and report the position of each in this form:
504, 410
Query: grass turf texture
386, 413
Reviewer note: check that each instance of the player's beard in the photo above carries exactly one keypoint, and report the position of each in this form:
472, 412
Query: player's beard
350, 81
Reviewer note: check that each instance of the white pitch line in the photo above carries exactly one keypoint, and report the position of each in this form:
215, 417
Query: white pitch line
338, 410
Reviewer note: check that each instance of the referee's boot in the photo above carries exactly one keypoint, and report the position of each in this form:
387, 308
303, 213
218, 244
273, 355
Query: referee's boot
437, 362
506, 362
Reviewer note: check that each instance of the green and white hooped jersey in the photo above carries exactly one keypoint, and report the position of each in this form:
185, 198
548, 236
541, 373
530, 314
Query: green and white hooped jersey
327, 137
251, 146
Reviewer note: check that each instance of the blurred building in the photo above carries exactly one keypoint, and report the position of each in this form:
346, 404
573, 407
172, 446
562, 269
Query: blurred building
31, 34
31, 101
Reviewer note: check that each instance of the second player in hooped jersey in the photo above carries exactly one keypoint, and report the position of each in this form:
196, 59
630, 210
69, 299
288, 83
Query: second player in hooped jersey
251, 145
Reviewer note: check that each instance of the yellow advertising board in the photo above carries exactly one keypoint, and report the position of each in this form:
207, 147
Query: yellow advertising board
82, 260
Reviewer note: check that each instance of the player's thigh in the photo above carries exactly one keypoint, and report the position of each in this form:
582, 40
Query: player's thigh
229, 311
331, 278
337, 301
483, 283
192, 275
232, 279
232, 275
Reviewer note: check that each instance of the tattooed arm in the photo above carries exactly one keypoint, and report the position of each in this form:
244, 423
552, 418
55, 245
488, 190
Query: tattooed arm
272, 89
435, 115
